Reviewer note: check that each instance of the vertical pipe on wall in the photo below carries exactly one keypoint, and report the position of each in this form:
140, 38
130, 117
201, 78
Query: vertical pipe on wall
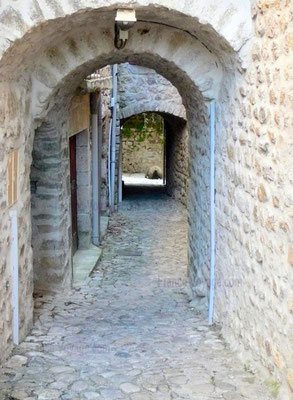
95, 174
109, 163
113, 137
120, 171
100, 147
164, 154
14, 264
212, 209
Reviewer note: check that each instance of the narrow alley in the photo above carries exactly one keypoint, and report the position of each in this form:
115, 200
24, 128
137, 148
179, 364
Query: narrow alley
130, 332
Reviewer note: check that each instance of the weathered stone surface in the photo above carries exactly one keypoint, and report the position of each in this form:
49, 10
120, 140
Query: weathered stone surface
140, 151
129, 388
16, 362
154, 172
290, 378
261, 194
256, 260
50, 75
48, 394
143, 90
47, 52
79, 386
84, 189
49, 220
290, 255
92, 395
133, 335
20, 395
177, 159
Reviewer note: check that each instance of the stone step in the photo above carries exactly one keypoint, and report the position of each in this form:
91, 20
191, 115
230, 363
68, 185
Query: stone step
84, 262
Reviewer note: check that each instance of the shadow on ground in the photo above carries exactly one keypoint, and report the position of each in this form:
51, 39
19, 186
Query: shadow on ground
146, 192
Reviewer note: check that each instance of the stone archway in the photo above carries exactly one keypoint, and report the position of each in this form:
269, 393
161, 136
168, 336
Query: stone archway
176, 148
154, 93
41, 84
238, 52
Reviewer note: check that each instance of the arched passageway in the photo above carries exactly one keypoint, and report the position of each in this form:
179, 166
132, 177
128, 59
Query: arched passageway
130, 333
51, 79
204, 52
39, 90
163, 142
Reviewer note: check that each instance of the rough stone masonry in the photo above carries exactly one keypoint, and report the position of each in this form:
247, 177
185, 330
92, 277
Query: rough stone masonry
143, 90
131, 333
238, 53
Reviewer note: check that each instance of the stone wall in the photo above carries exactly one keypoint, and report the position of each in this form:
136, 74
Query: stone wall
50, 187
253, 88
143, 89
138, 157
177, 159
106, 117
55, 74
140, 152
50, 205
199, 206
104, 174
84, 189
14, 139
79, 125
254, 199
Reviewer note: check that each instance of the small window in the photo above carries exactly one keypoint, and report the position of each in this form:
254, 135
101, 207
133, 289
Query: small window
12, 178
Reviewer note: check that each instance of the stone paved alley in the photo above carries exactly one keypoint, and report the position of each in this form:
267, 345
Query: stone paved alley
131, 332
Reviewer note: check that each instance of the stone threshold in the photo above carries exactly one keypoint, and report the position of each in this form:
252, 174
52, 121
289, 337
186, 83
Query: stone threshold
86, 260
104, 225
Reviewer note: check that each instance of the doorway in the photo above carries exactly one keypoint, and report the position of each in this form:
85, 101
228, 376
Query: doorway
73, 192
143, 151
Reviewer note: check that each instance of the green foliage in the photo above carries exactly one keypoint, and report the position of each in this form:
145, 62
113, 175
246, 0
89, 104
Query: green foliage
126, 131
274, 387
146, 126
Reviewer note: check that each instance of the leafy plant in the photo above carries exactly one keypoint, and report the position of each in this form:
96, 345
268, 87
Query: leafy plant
144, 126
274, 387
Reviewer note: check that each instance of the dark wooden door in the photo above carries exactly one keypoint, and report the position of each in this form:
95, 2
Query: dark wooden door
73, 185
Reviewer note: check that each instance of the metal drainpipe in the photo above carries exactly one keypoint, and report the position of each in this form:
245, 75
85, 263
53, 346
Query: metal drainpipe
120, 170
164, 155
109, 163
113, 137
100, 148
14, 265
212, 210
95, 174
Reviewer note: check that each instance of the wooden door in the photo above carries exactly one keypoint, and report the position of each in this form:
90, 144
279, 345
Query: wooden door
73, 185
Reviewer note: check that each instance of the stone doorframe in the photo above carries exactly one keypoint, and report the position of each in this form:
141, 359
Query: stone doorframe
84, 189
51, 242
177, 150
50, 208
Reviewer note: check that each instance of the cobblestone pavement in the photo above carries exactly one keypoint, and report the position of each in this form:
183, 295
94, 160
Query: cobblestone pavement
131, 333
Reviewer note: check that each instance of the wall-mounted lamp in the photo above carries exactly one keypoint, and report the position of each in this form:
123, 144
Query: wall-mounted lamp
125, 19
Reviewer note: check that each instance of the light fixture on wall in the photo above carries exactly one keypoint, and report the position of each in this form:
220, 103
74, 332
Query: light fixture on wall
125, 19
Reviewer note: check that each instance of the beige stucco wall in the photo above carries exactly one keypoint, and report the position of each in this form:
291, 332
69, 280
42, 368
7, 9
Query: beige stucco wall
79, 114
